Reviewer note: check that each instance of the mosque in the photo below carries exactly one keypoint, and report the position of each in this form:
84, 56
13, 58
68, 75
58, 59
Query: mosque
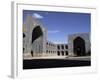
36, 44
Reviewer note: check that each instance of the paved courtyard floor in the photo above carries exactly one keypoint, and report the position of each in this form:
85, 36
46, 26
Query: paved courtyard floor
56, 62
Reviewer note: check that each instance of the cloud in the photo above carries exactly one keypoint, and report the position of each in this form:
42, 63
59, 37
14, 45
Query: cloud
38, 16
59, 42
53, 31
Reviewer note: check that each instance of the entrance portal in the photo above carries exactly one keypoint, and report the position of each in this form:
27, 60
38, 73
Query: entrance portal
37, 41
79, 47
36, 33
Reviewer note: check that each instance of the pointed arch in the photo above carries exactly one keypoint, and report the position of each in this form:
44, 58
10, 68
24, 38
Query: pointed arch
79, 46
36, 33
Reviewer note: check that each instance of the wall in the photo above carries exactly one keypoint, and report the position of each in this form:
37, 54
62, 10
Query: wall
62, 49
5, 42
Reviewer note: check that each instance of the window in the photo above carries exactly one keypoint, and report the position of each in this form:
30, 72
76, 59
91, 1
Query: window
66, 46
62, 53
47, 51
58, 53
62, 46
58, 47
66, 52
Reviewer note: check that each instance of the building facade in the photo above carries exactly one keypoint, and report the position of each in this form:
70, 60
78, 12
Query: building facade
34, 38
62, 49
79, 44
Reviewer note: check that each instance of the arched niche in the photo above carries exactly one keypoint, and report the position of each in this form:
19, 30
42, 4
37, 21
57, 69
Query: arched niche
79, 46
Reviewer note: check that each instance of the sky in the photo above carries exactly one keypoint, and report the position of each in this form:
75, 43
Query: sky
60, 24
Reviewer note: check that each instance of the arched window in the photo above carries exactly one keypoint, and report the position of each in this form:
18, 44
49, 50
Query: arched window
58, 52
62, 53
66, 52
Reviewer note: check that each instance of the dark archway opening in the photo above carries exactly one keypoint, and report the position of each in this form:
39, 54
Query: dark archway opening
62, 53
66, 53
32, 53
79, 47
66, 46
36, 33
24, 35
23, 50
58, 53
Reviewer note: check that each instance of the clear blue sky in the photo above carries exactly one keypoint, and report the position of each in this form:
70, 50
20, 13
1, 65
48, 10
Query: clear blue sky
61, 24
